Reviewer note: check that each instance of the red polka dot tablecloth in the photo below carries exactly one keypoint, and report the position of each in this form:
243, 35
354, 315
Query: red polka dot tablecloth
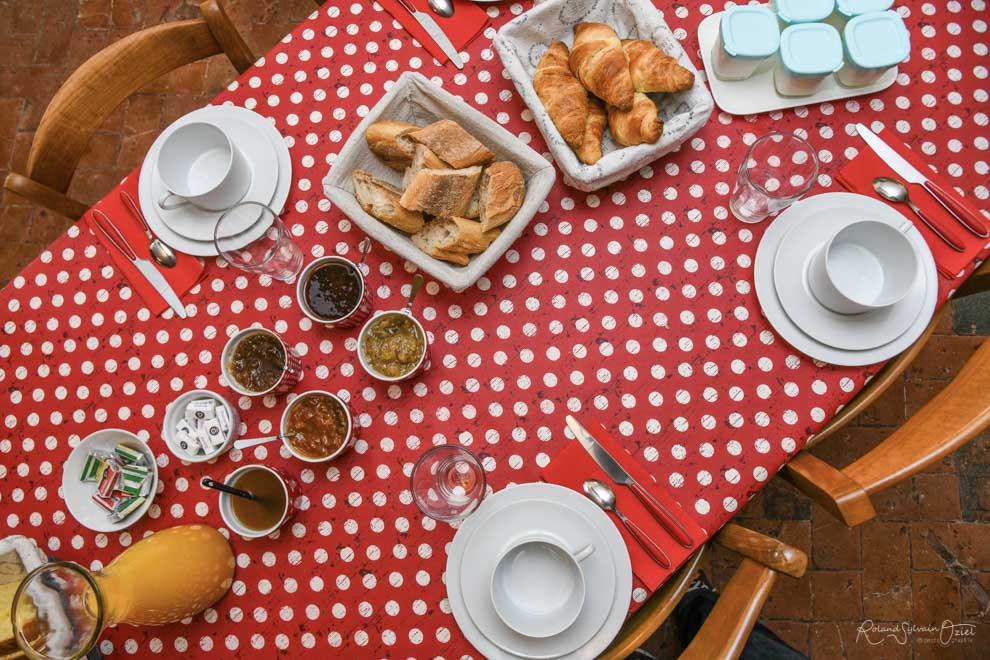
635, 303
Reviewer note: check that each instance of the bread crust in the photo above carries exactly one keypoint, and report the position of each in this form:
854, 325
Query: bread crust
382, 200
387, 140
452, 144
562, 94
501, 194
442, 193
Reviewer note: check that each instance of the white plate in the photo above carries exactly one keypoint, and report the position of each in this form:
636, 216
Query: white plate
853, 332
573, 501
757, 93
78, 494
848, 204
217, 114
198, 224
505, 527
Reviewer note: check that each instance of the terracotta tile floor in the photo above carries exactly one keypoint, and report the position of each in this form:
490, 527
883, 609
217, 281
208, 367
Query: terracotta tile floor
885, 570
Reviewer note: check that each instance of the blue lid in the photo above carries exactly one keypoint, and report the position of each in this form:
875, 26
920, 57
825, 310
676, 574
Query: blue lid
750, 31
878, 40
857, 7
804, 11
811, 49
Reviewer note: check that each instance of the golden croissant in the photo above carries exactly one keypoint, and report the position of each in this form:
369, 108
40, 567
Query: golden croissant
653, 70
564, 97
641, 125
600, 63
590, 151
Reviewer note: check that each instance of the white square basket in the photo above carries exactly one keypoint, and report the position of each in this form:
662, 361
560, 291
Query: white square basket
416, 100
522, 42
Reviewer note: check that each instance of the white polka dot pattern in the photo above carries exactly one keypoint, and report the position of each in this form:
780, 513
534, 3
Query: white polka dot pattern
634, 303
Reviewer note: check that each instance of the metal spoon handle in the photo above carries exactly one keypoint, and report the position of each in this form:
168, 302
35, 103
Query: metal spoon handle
365, 248
135, 210
416, 284
251, 442
655, 552
216, 485
946, 237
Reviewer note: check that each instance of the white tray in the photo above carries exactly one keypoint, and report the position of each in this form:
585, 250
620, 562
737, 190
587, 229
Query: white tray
757, 93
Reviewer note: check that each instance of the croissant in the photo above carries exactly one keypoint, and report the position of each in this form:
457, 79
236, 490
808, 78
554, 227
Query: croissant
653, 70
564, 97
600, 63
640, 125
590, 151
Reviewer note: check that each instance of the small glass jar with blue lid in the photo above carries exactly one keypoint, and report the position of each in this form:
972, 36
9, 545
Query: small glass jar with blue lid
809, 53
847, 9
791, 12
874, 43
748, 35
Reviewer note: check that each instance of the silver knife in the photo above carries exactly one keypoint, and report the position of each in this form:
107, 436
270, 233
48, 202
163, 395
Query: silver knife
145, 267
435, 32
910, 173
618, 474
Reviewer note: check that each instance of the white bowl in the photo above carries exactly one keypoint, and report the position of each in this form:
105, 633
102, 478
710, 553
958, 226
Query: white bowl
522, 42
371, 370
348, 442
78, 494
416, 100
176, 410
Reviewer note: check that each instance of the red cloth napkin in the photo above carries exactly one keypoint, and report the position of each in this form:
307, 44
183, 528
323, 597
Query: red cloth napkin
188, 270
858, 177
572, 466
461, 28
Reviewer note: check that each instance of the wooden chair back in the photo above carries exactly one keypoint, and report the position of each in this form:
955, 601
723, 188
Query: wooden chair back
105, 81
942, 426
724, 633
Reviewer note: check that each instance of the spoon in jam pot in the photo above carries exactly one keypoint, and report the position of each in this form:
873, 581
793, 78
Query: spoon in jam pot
416, 284
247, 443
365, 248
217, 485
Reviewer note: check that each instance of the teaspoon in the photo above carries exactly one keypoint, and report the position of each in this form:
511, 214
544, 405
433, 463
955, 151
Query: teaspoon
416, 284
602, 494
162, 254
443, 8
895, 191
247, 443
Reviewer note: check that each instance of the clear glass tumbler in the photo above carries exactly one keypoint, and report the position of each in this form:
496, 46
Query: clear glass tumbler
273, 253
778, 169
448, 483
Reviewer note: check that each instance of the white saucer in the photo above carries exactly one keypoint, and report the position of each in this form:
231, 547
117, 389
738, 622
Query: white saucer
506, 526
838, 204
853, 332
78, 494
615, 550
217, 114
198, 224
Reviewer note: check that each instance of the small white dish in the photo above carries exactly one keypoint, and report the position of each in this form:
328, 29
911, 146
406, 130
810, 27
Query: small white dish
176, 411
282, 166
837, 205
78, 494
758, 94
857, 332
197, 223
349, 439
569, 516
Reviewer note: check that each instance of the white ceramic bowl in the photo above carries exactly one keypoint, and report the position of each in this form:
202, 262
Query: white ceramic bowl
78, 494
371, 370
348, 442
176, 410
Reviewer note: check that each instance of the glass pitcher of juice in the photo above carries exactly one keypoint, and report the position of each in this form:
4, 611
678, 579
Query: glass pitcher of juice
61, 609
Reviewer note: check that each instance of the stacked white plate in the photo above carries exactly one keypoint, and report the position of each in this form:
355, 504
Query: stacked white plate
190, 229
780, 274
519, 512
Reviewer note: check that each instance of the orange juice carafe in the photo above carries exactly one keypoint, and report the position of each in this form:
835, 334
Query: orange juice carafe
61, 608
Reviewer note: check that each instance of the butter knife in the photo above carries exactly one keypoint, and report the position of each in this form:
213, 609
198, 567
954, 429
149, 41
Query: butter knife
618, 474
910, 173
145, 267
436, 33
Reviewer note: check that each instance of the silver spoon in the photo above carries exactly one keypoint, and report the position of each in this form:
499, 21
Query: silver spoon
443, 8
162, 254
602, 494
365, 248
895, 191
247, 443
416, 284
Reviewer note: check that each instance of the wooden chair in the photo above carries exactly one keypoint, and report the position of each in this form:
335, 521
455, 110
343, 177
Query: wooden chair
101, 84
942, 426
725, 631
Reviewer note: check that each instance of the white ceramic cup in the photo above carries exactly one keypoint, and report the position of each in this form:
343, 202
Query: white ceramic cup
865, 266
227, 511
349, 439
538, 586
200, 165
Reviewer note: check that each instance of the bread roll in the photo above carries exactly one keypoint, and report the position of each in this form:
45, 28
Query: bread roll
381, 199
563, 95
600, 63
641, 125
590, 151
452, 143
501, 193
653, 70
443, 193
388, 140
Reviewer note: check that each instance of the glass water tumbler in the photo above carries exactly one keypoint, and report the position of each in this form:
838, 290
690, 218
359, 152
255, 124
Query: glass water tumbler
271, 252
778, 169
448, 483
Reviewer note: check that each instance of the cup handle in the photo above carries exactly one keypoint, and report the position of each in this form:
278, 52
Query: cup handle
165, 205
583, 553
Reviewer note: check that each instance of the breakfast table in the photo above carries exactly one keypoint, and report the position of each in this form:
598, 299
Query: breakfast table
632, 305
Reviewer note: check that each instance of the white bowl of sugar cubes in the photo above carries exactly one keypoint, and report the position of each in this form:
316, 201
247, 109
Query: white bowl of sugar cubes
200, 425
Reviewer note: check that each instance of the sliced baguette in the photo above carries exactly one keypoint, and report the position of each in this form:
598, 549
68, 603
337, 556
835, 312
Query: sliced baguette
423, 158
446, 237
500, 194
443, 193
452, 143
389, 141
381, 199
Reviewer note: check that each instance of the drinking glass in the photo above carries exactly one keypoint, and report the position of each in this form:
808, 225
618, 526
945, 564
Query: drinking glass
273, 253
61, 608
778, 169
448, 483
